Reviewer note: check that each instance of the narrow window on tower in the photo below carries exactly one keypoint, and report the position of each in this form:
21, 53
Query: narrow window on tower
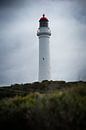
43, 58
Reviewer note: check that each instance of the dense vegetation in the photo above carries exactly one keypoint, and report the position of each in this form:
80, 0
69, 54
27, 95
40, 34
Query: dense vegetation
49, 105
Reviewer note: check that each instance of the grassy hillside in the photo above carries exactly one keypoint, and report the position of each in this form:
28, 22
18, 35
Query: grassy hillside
49, 105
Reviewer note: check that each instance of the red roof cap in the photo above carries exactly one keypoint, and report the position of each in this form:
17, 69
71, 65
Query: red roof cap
43, 18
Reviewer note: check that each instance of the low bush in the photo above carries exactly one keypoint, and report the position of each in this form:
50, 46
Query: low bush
52, 111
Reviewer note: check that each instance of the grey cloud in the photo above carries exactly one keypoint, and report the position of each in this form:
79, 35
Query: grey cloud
8, 3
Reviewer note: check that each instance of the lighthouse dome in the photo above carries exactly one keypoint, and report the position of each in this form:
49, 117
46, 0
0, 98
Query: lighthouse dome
43, 21
43, 18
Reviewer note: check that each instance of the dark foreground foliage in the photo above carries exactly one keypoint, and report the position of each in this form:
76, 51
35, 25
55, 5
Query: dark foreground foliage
47, 109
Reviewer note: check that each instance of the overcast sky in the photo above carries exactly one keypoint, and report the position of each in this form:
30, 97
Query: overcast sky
19, 47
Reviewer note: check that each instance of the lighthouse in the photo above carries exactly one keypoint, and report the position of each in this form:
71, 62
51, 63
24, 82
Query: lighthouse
44, 34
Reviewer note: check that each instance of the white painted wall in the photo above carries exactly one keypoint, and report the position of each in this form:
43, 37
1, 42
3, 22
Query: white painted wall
44, 53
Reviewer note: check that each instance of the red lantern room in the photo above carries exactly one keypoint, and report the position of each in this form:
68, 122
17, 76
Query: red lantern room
43, 22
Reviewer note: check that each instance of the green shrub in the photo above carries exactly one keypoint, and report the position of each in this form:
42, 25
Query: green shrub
57, 110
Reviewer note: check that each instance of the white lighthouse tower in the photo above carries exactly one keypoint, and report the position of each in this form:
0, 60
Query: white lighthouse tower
44, 34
